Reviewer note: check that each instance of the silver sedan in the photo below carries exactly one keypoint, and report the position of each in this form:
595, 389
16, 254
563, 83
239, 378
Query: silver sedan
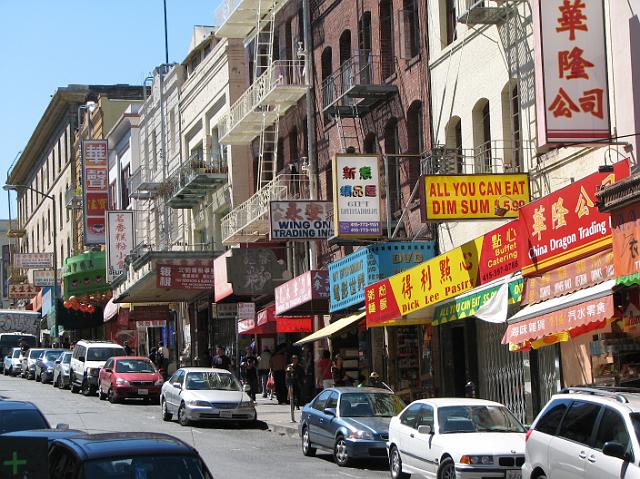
205, 394
61, 371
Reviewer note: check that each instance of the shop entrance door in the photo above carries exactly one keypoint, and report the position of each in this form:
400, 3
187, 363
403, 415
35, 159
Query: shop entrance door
459, 356
459, 361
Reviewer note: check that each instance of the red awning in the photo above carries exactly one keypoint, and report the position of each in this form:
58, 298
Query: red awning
574, 319
267, 323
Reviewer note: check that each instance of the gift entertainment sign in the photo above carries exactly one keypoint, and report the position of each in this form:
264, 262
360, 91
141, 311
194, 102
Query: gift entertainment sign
301, 220
471, 197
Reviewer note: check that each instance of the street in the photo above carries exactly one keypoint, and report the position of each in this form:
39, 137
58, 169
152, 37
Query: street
230, 452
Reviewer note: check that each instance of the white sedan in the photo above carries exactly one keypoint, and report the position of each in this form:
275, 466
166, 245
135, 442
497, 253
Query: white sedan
456, 438
205, 394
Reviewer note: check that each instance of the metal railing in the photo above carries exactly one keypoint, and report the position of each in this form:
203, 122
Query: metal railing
282, 187
224, 11
481, 11
363, 68
196, 165
135, 180
280, 73
73, 197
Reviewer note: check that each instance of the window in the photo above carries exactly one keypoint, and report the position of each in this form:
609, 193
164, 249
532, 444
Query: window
611, 429
450, 22
207, 49
289, 40
124, 181
579, 422
482, 137
60, 208
386, 38
108, 364
410, 415
321, 400
328, 87
415, 140
294, 155
332, 402
364, 32
426, 416
410, 29
113, 196
391, 148
454, 158
550, 421
511, 126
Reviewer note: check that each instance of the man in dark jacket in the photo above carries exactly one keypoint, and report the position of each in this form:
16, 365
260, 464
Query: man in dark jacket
295, 379
221, 360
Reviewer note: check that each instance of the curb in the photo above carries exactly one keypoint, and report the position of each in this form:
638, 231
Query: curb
290, 430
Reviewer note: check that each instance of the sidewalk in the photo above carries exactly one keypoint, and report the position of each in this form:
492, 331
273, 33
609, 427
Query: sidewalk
277, 416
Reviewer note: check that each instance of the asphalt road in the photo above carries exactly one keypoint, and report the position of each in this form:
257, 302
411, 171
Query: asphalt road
230, 452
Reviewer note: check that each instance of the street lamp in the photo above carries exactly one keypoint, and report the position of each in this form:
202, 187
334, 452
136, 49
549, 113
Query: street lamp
18, 188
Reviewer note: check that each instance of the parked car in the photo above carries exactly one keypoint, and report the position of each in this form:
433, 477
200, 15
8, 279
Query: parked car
587, 433
29, 363
350, 422
456, 437
13, 362
125, 455
61, 371
125, 377
8, 341
87, 360
205, 394
50, 434
21, 415
45, 364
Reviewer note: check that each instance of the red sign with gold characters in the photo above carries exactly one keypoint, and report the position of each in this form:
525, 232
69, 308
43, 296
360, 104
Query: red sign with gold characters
95, 189
22, 291
571, 71
185, 277
479, 261
566, 225
625, 224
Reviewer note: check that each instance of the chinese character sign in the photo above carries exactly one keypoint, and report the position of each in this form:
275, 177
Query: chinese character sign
119, 241
625, 225
356, 182
571, 71
32, 260
192, 276
566, 225
301, 220
95, 189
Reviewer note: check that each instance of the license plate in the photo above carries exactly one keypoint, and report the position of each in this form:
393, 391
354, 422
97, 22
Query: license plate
514, 475
143, 392
226, 414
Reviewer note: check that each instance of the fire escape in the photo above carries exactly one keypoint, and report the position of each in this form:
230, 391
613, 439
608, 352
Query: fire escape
277, 86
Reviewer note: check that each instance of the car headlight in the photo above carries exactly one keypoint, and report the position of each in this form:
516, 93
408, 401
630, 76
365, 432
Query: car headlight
199, 403
361, 435
484, 460
159, 382
122, 382
246, 404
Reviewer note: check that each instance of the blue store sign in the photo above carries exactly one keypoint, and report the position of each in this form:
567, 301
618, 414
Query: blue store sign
350, 275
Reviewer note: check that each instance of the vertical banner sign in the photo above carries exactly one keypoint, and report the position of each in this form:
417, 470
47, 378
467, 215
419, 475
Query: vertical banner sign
356, 186
571, 71
119, 241
95, 193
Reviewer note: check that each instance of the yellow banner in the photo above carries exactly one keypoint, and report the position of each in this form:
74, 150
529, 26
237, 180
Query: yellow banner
466, 197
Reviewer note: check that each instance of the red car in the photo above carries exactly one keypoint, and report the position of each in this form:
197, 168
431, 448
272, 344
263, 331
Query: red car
129, 377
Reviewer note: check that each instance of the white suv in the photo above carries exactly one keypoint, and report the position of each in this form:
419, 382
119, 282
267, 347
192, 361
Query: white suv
585, 433
87, 360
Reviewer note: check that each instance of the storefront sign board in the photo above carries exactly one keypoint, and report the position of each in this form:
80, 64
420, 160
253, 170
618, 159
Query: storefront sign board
566, 225
32, 260
95, 189
472, 197
625, 227
22, 291
572, 92
120, 240
184, 277
246, 311
309, 286
43, 277
301, 220
356, 193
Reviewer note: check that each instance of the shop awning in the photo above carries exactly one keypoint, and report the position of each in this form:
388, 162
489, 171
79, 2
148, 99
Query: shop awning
629, 280
573, 313
333, 328
110, 310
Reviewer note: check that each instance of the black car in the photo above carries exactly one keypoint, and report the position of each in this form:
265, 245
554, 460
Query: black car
20, 416
49, 434
125, 456
45, 364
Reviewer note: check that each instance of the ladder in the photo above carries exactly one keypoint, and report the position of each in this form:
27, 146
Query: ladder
263, 46
348, 130
268, 153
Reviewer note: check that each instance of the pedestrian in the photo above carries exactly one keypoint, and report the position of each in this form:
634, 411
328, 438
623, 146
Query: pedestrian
295, 380
278, 365
221, 360
338, 373
263, 369
309, 389
251, 374
153, 356
325, 379
127, 349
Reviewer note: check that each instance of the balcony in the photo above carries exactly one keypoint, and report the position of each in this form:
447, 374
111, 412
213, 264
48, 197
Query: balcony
238, 18
142, 186
249, 222
496, 156
272, 94
357, 86
482, 12
73, 197
193, 180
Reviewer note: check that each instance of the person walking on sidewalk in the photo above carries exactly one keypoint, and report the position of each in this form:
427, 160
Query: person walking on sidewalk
263, 369
221, 360
339, 374
325, 379
251, 375
295, 380
278, 365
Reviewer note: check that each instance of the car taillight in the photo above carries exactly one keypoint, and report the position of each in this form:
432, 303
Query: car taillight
528, 435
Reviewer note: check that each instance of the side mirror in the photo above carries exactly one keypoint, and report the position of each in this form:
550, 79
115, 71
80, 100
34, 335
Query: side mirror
177, 385
246, 388
615, 449
107, 370
81, 359
330, 411
425, 429
62, 426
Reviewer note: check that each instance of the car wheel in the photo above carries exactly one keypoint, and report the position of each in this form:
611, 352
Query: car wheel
447, 469
10, 373
542, 475
101, 395
112, 396
182, 416
340, 454
37, 377
307, 450
74, 389
395, 464
166, 415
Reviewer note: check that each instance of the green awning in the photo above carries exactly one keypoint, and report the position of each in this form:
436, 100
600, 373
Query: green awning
465, 306
85, 274
629, 280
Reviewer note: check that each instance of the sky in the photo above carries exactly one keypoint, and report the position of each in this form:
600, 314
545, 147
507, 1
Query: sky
46, 44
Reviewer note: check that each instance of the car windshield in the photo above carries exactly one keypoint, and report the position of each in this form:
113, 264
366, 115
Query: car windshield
210, 380
635, 420
21, 420
35, 353
67, 358
52, 355
15, 339
461, 419
16, 353
102, 354
370, 404
145, 467
134, 366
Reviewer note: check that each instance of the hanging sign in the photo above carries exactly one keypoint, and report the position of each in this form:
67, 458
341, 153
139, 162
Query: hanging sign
625, 225
301, 220
43, 278
119, 241
95, 189
184, 277
32, 260
22, 291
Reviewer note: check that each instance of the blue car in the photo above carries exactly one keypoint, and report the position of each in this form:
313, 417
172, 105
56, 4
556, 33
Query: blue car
352, 423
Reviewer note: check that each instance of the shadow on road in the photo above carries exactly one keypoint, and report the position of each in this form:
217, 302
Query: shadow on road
380, 464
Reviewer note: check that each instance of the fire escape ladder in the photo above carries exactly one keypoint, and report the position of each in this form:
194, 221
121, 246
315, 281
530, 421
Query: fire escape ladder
268, 154
348, 130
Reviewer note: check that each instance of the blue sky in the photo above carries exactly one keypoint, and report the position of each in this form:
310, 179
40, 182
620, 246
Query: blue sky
45, 44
